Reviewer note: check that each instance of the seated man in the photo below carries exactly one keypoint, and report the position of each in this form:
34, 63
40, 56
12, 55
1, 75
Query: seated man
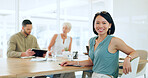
20, 44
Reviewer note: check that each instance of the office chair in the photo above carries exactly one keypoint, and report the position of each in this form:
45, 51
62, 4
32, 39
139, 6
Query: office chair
142, 67
134, 66
88, 72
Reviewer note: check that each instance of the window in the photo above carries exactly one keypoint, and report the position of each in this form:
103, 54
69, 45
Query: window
43, 17
77, 13
7, 23
47, 17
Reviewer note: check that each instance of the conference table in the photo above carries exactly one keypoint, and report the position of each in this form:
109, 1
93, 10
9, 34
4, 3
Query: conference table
20, 68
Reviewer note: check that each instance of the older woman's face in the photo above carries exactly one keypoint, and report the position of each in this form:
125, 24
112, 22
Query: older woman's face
101, 25
65, 29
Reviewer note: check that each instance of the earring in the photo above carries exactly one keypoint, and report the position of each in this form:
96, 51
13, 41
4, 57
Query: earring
109, 31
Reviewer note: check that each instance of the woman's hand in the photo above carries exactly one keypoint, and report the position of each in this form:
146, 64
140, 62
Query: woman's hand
63, 50
127, 66
50, 53
68, 63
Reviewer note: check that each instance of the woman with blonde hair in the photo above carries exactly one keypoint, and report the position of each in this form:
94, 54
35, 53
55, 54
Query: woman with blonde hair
61, 41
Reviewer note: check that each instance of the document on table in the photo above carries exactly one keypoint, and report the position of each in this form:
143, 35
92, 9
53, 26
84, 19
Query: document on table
38, 59
28, 57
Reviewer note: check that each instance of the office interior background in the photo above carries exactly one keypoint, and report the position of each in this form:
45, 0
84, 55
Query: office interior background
47, 16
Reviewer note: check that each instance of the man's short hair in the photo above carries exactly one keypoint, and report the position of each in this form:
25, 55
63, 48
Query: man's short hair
25, 22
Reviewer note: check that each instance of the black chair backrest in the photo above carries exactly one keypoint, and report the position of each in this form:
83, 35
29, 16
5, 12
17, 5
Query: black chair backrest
87, 48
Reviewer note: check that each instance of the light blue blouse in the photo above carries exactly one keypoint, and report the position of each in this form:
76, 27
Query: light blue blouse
104, 62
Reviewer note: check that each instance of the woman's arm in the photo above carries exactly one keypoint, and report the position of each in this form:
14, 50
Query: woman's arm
122, 46
81, 63
52, 41
70, 44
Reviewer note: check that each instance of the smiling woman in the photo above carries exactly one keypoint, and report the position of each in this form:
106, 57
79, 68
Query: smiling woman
101, 24
49, 15
104, 49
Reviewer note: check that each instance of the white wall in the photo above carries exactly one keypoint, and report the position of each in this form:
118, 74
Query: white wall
131, 20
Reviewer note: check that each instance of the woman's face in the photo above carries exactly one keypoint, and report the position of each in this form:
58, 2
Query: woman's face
65, 29
101, 25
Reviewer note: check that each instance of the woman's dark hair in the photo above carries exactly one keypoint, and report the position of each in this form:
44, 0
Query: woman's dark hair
25, 22
108, 17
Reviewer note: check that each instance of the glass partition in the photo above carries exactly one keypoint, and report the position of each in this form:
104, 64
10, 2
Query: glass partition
7, 23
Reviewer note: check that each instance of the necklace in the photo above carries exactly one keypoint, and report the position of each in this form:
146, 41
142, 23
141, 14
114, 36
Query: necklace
64, 36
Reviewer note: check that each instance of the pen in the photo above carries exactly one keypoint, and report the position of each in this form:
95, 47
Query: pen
73, 65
